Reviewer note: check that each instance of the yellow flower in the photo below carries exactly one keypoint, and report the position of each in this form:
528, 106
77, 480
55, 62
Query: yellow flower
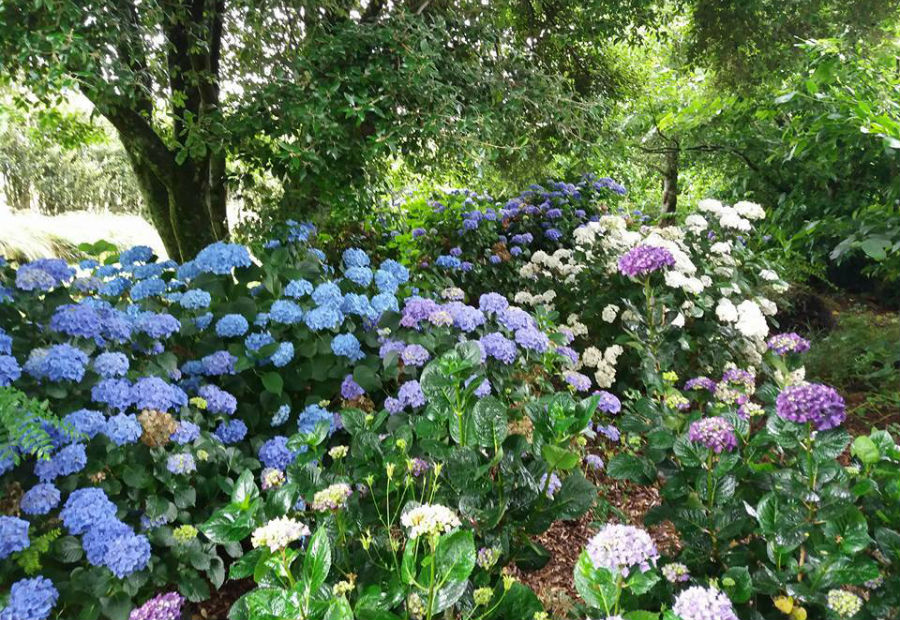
199, 403
798, 614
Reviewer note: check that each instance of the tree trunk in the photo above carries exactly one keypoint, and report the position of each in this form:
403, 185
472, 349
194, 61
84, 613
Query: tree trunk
670, 183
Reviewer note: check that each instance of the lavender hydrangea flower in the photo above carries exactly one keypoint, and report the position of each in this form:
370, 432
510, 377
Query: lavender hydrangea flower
578, 381
818, 404
161, 607
410, 394
350, 389
183, 463
594, 462
699, 603
499, 347
185, 432
415, 355
550, 485
608, 402
676, 572
700, 383
218, 400
621, 548
644, 259
532, 339
715, 433
782, 344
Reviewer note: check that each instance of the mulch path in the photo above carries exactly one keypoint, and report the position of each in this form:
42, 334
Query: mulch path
565, 540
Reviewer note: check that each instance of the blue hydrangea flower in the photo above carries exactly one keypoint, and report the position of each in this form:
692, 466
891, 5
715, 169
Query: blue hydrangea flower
151, 287
350, 389
13, 536
114, 393
324, 317
220, 258
127, 554
115, 287
298, 288
219, 363
232, 326
311, 416
231, 431
123, 429
386, 282
182, 463
78, 320
69, 460
31, 599
7, 463
157, 325
84, 508
111, 364
256, 341
355, 257
328, 294
346, 345
492, 303
499, 347
359, 275
185, 432
385, 302
397, 270
283, 355
203, 321
195, 299
9, 370
286, 312
40, 499
5, 342
61, 362
514, 318
97, 538
155, 393
281, 415
136, 254
275, 453
43, 274
532, 339
609, 402
447, 262
218, 400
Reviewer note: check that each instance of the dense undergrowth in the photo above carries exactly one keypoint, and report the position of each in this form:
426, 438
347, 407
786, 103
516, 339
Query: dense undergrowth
380, 427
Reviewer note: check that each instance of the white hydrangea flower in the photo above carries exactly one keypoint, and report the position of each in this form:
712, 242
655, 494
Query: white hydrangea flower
696, 223
278, 533
751, 321
678, 321
592, 357
429, 519
768, 275
709, 205
750, 210
721, 247
768, 307
610, 312
726, 311
729, 218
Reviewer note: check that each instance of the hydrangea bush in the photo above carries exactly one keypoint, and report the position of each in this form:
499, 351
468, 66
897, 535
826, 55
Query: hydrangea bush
386, 437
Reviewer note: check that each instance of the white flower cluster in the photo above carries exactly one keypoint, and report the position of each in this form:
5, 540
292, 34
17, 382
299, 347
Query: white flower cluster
559, 264
573, 321
278, 533
737, 217
543, 299
604, 362
429, 519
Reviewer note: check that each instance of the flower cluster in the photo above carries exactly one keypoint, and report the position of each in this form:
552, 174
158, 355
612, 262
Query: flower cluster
429, 520
279, 533
621, 548
699, 603
818, 404
715, 433
333, 497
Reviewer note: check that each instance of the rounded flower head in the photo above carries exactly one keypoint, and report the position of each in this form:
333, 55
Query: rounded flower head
127, 554
844, 603
333, 497
33, 599
181, 464
231, 431
40, 499
619, 548
644, 259
275, 453
698, 603
232, 326
161, 607
13, 535
84, 508
271, 478
278, 533
429, 519
715, 433
676, 572
818, 404
782, 344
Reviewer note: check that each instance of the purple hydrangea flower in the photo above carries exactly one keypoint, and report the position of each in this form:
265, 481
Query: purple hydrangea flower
818, 404
782, 344
415, 355
594, 462
411, 395
492, 303
550, 486
699, 603
700, 383
578, 381
350, 389
161, 607
608, 402
532, 339
621, 548
715, 433
644, 259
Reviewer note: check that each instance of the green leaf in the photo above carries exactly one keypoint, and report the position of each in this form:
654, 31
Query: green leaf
865, 450
245, 489
641, 583
244, 566
596, 586
273, 383
68, 549
849, 530
574, 498
519, 602
230, 523
742, 588
317, 562
339, 609
631, 467
367, 378
559, 458
489, 422
455, 555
